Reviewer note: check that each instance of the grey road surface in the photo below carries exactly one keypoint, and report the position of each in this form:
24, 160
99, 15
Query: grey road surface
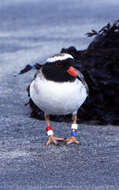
30, 31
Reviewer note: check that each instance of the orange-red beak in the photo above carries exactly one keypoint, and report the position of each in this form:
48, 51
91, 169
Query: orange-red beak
72, 71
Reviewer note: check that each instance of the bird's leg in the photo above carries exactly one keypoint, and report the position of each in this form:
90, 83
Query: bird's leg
52, 138
74, 128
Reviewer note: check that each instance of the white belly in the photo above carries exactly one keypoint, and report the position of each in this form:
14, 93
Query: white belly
57, 98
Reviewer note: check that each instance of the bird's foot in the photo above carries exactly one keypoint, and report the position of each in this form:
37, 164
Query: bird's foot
71, 140
53, 139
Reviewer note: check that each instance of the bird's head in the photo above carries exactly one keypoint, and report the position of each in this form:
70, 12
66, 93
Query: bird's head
60, 68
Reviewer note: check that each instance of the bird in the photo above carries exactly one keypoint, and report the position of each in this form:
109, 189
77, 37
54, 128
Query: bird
58, 88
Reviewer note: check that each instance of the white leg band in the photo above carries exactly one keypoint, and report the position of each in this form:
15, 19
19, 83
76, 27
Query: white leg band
50, 132
74, 113
74, 126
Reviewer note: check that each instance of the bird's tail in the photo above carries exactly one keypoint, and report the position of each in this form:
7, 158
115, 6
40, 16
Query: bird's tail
27, 68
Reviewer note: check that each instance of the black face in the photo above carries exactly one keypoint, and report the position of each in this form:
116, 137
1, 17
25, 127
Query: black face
56, 71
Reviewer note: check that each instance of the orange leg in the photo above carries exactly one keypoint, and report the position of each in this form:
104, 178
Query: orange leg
52, 138
72, 139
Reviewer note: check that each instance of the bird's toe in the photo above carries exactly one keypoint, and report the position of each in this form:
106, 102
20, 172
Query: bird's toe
53, 139
71, 140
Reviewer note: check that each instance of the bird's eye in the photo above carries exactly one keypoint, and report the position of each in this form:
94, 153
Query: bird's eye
58, 64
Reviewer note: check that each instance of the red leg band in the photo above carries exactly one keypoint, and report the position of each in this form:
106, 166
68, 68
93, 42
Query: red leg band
48, 128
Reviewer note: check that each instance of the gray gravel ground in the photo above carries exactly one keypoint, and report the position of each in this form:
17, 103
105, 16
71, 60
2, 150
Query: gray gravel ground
30, 32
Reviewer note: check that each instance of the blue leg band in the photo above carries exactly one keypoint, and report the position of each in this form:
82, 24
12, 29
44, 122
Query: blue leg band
74, 133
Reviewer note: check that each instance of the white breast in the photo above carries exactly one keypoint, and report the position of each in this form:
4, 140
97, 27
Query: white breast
57, 98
